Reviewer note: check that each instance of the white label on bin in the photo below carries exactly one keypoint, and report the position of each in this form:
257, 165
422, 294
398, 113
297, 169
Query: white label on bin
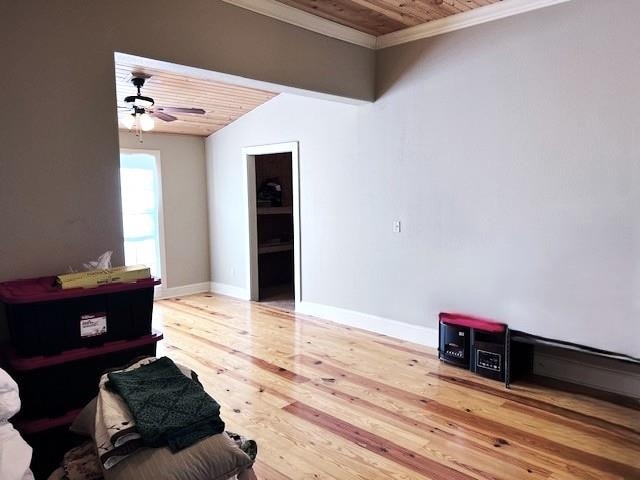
93, 324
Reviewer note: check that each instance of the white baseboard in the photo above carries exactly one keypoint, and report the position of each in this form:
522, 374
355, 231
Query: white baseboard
404, 331
229, 290
162, 292
602, 377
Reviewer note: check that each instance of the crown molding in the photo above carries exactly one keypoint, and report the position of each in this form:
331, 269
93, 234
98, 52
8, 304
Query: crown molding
308, 21
305, 20
476, 16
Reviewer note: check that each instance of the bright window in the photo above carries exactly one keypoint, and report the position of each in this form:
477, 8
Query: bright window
141, 193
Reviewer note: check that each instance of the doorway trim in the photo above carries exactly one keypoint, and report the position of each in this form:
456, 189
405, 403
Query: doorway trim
249, 160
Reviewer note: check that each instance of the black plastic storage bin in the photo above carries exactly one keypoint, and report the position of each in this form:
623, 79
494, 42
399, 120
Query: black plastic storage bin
53, 385
44, 320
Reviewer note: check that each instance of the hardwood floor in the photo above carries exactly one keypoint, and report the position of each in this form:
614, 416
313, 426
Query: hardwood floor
325, 401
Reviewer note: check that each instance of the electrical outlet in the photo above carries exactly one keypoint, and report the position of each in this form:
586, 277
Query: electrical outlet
396, 226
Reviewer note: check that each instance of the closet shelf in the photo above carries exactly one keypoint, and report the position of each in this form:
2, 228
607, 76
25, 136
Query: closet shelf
275, 210
275, 247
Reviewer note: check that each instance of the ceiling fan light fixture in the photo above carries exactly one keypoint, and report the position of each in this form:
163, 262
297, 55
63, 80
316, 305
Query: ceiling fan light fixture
140, 101
146, 122
142, 115
128, 120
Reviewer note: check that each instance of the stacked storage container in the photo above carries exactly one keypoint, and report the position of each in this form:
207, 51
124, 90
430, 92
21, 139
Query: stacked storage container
61, 342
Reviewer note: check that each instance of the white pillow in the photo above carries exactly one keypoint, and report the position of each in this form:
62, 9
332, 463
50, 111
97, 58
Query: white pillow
9, 397
15, 453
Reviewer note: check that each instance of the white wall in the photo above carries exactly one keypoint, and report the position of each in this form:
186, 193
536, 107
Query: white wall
280, 120
511, 154
184, 203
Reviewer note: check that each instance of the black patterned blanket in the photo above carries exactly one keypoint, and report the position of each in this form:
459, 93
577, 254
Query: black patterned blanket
168, 407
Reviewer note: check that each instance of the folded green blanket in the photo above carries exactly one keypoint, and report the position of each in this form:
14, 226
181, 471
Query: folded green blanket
169, 408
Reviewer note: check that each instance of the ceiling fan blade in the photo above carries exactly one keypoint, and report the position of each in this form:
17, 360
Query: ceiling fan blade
163, 116
196, 111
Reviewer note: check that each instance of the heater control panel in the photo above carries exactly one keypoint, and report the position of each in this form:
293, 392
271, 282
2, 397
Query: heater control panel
488, 360
454, 350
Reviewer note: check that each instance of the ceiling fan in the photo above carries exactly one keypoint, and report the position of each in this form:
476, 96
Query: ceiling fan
142, 109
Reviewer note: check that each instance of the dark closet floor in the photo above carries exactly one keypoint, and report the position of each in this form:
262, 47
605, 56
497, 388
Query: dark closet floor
280, 296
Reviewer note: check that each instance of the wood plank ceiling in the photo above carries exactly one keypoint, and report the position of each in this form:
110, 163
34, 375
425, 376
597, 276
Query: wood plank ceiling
223, 103
378, 17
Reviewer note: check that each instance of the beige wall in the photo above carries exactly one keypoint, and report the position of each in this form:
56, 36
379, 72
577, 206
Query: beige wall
59, 183
184, 204
509, 151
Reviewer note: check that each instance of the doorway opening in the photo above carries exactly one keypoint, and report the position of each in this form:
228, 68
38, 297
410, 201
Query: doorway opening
274, 230
142, 222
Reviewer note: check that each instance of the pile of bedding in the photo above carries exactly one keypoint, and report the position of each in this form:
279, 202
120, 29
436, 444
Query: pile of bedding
154, 420
169, 408
15, 453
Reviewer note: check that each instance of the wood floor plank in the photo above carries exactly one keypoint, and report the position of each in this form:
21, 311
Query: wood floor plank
327, 401
440, 424
315, 330
632, 427
265, 472
245, 410
482, 443
376, 444
572, 421
597, 462
423, 436
259, 362
281, 325
414, 351
388, 416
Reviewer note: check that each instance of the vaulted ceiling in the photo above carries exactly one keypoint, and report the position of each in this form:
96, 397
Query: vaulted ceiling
379, 17
223, 103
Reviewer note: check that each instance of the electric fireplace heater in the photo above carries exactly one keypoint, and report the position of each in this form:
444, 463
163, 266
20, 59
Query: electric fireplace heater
454, 344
